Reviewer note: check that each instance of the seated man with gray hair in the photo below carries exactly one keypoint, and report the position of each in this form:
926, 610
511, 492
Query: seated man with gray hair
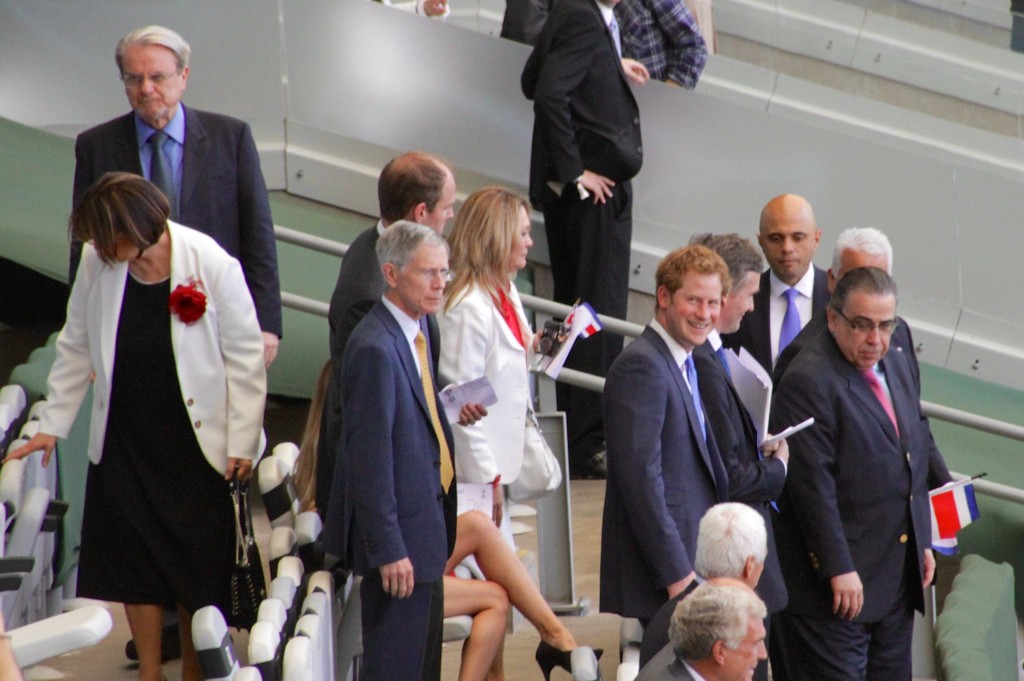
717, 633
731, 542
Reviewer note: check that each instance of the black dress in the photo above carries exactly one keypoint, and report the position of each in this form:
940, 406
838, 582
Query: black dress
158, 526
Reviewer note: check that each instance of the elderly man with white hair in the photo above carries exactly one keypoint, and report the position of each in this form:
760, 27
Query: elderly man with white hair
732, 543
717, 634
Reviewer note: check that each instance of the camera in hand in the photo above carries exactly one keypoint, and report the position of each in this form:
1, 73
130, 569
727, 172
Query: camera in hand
552, 337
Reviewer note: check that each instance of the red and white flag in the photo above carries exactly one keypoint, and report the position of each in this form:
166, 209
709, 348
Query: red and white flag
583, 321
953, 508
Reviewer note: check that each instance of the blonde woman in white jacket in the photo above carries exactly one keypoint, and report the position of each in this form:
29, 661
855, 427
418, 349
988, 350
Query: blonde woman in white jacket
161, 322
484, 332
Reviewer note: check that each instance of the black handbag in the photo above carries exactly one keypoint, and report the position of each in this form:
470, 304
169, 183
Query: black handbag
248, 586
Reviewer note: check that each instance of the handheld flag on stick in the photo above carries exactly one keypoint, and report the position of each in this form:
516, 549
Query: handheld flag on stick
953, 507
582, 322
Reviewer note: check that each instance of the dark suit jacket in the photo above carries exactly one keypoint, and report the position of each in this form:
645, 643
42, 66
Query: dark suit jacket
222, 193
662, 477
360, 286
902, 341
752, 480
664, 666
585, 114
754, 333
656, 632
387, 501
857, 495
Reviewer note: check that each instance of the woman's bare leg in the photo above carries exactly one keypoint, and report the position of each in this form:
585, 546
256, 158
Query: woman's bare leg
476, 534
146, 622
488, 604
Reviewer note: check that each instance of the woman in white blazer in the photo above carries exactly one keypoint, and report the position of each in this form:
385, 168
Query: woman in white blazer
161, 320
484, 332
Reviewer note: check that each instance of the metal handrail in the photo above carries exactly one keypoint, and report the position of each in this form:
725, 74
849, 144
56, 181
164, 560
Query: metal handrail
596, 383
310, 241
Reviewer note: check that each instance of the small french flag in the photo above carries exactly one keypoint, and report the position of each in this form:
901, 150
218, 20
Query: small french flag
585, 319
953, 507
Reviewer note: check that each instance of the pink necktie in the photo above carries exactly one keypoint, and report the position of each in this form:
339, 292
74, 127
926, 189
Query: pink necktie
879, 391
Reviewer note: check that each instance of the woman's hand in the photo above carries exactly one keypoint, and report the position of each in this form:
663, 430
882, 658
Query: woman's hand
243, 466
38, 441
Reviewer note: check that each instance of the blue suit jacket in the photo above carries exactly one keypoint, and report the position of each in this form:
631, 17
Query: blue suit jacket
387, 502
662, 477
359, 287
754, 333
223, 193
752, 480
856, 497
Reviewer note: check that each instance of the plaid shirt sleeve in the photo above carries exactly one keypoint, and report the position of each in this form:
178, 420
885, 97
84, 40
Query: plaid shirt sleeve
663, 36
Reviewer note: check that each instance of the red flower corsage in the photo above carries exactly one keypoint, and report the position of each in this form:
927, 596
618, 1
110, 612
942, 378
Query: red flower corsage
188, 301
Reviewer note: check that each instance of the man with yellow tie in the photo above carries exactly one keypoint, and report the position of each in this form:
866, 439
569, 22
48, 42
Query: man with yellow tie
392, 510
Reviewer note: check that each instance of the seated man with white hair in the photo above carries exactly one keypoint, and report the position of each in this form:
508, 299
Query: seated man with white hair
717, 634
731, 542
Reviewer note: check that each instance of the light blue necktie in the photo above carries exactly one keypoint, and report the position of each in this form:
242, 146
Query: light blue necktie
691, 378
160, 170
720, 353
613, 28
790, 322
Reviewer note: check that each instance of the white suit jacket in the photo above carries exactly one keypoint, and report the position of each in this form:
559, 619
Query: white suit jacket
476, 341
219, 357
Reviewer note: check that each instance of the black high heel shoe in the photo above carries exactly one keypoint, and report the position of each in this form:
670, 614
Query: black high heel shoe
548, 657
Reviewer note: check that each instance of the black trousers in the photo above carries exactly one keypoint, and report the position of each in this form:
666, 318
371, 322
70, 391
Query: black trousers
831, 649
589, 246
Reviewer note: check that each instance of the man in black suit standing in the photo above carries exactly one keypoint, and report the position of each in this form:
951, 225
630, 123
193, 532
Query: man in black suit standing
206, 163
414, 186
854, 530
792, 290
586, 148
756, 476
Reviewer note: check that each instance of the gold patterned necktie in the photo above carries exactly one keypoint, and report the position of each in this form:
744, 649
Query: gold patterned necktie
447, 470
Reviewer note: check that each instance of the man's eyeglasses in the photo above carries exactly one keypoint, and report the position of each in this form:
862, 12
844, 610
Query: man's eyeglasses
134, 80
430, 275
865, 326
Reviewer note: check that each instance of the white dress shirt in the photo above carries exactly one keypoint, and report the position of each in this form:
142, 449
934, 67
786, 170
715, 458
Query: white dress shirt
778, 304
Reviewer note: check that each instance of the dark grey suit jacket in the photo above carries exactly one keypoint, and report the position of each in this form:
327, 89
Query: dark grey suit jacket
664, 666
752, 480
754, 333
662, 477
223, 194
856, 497
902, 341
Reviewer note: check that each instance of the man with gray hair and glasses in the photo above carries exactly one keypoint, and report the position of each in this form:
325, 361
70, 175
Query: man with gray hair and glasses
717, 634
392, 509
866, 247
854, 530
205, 163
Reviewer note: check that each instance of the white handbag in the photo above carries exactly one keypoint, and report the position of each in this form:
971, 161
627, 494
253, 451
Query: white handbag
540, 473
